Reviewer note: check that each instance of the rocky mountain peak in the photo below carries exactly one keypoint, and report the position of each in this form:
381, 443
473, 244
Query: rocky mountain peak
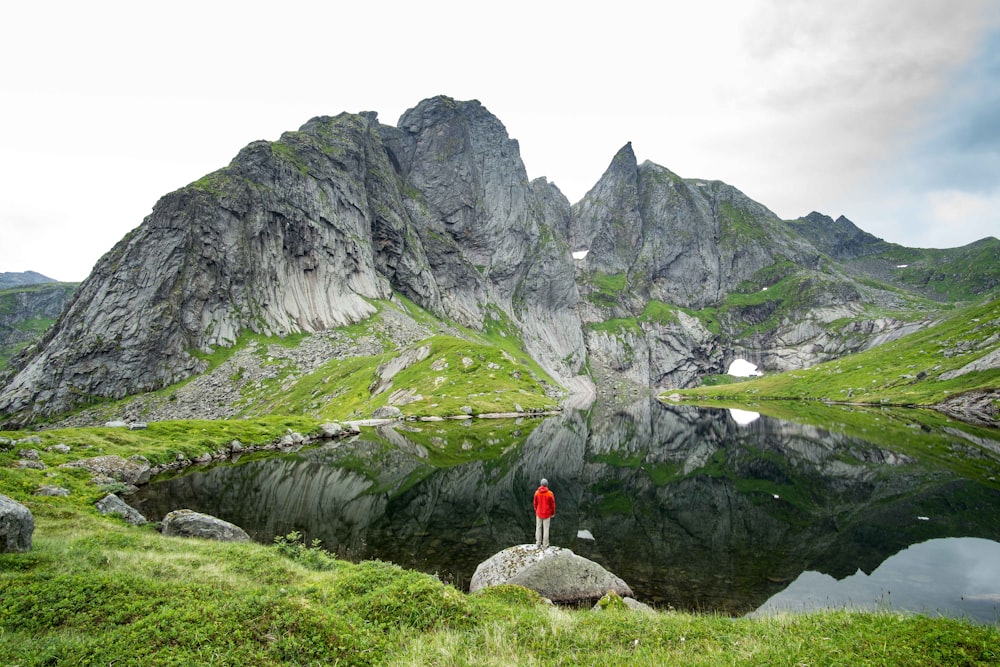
323, 227
840, 238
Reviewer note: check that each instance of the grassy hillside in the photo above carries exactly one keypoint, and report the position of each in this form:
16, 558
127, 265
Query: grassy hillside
94, 590
923, 368
952, 274
342, 374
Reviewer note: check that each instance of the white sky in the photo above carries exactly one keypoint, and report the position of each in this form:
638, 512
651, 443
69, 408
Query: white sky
886, 111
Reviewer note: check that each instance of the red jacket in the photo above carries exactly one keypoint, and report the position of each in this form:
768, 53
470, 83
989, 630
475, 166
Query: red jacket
545, 503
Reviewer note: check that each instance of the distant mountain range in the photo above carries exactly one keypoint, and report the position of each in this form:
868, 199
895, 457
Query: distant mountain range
10, 280
651, 281
29, 305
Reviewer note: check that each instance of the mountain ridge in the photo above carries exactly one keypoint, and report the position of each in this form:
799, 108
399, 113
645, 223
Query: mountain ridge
306, 233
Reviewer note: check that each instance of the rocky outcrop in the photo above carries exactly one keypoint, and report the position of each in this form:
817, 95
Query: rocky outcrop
16, 526
132, 471
555, 573
187, 523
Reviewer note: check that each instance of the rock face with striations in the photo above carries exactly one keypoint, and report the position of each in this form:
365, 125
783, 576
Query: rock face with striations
298, 235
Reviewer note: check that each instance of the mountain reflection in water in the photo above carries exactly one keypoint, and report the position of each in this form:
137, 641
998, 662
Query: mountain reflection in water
692, 508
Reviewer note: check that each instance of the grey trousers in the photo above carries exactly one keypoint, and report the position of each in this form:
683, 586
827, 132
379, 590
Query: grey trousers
542, 531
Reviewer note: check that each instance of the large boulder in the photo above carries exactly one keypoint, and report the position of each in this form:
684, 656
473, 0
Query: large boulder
557, 574
16, 526
188, 523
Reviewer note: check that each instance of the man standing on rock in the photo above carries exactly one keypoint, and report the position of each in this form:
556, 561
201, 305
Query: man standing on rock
545, 509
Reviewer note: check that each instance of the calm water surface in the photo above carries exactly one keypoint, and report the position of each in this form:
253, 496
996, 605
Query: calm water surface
697, 509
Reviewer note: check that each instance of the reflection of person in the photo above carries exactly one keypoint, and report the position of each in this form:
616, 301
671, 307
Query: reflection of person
545, 509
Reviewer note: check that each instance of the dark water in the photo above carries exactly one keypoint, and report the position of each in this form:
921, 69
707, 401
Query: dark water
696, 509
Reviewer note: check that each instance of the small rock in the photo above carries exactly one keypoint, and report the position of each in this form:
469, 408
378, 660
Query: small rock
59, 449
387, 412
24, 463
29, 454
112, 504
48, 490
467, 409
331, 430
115, 424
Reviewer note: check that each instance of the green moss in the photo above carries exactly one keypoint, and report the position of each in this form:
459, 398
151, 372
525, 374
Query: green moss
616, 326
659, 313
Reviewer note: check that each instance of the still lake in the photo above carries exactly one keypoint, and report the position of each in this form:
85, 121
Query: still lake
697, 509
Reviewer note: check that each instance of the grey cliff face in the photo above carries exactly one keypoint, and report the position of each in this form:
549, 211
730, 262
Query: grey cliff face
492, 237
296, 235
680, 241
279, 241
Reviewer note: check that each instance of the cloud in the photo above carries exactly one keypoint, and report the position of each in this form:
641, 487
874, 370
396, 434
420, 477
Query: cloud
939, 186
860, 107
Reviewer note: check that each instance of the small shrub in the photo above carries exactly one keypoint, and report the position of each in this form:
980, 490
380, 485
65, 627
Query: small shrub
313, 557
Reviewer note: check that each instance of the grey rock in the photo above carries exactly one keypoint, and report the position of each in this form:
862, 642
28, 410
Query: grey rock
566, 578
116, 424
29, 454
133, 471
387, 412
331, 430
555, 573
385, 372
188, 523
112, 504
60, 449
48, 490
504, 565
17, 526
29, 464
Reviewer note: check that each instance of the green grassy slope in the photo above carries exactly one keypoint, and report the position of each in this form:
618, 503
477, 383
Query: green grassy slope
913, 370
